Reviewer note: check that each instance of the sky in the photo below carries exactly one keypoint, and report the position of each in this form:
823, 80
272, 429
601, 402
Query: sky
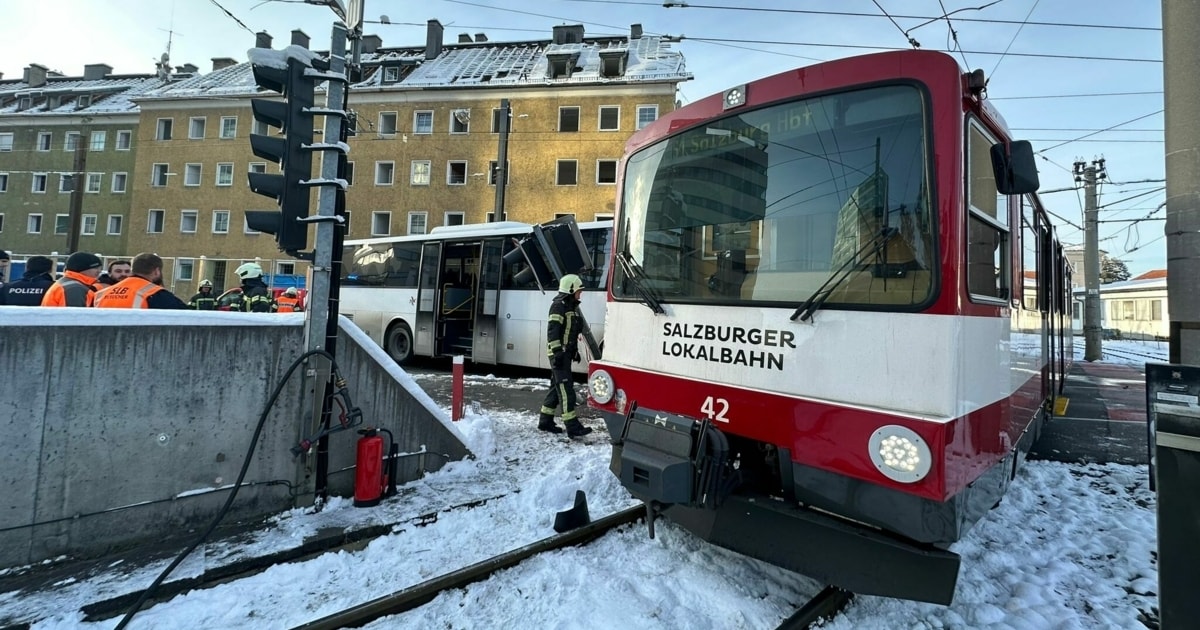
1051, 101
1069, 546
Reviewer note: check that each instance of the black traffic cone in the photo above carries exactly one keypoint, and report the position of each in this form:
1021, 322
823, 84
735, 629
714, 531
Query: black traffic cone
575, 517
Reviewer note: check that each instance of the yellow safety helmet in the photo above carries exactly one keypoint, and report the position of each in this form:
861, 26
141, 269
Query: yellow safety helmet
570, 283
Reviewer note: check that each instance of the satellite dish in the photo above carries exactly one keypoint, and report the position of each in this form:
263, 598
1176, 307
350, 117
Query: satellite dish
383, 19
463, 116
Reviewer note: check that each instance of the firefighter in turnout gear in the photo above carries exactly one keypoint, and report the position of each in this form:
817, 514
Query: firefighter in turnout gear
256, 297
562, 345
204, 300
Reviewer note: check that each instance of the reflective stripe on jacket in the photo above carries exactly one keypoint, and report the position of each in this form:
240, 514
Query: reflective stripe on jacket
132, 292
72, 289
288, 304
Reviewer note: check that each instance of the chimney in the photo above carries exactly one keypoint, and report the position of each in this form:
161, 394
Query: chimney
35, 75
481, 37
433, 39
262, 39
95, 71
187, 68
464, 38
568, 34
223, 62
635, 31
371, 43
299, 38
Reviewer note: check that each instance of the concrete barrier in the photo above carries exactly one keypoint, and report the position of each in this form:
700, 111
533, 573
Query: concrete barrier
122, 427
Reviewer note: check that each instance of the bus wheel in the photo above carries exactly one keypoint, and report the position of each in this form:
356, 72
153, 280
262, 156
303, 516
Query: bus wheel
399, 342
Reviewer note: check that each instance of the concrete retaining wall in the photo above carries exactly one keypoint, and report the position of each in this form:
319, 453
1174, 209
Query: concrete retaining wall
122, 427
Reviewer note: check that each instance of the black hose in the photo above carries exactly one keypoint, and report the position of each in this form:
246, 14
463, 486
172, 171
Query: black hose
262, 419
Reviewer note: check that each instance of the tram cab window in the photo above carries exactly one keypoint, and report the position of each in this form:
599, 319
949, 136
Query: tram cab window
988, 268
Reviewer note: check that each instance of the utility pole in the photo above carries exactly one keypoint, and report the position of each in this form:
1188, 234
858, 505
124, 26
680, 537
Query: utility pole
1181, 96
78, 183
501, 173
1089, 173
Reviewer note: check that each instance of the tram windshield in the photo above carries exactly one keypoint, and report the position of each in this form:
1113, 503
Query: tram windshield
766, 205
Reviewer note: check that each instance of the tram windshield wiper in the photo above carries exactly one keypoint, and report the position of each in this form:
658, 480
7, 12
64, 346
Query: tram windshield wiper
817, 299
637, 276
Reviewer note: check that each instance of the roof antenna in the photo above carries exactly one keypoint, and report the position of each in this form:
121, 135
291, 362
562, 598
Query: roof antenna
163, 67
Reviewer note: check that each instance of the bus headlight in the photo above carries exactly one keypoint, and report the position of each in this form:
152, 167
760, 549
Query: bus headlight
600, 386
900, 454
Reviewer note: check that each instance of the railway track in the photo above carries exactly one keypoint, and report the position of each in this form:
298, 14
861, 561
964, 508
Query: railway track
1106, 351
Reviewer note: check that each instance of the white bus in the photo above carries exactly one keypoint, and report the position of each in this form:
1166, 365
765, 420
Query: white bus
450, 292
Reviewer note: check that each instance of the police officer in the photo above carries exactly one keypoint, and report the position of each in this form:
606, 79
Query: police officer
256, 297
562, 345
28, 291
204, 300
289, 302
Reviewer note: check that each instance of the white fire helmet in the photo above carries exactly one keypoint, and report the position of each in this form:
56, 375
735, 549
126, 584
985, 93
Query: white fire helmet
570, 283
249, 270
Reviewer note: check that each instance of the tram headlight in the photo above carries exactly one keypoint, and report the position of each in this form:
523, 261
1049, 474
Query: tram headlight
900, 454
600, 386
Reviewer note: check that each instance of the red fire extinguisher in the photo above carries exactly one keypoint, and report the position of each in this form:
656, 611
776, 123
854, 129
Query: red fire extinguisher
371, 482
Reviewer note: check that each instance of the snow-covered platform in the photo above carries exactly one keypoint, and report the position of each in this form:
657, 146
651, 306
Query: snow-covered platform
1101, 416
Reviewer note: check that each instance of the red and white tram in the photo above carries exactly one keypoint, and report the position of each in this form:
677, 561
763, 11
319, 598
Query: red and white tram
837, 319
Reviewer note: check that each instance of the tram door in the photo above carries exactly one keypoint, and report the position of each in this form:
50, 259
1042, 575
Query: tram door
425, 335
487, 304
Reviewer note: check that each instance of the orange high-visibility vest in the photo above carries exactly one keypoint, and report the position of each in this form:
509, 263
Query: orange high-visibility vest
132, 292
287, 304
74, 282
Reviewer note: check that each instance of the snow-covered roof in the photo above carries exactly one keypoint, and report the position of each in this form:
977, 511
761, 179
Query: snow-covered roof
646, 59
60, 96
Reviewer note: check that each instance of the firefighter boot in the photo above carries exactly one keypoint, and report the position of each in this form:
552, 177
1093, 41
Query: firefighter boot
576, 429
546, 423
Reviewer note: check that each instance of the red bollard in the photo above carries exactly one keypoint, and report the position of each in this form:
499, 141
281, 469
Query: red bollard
456, 406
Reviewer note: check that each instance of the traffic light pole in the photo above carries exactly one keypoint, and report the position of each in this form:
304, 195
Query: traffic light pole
321, 326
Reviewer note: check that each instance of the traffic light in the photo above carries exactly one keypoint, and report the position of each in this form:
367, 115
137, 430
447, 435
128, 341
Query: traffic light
551, 251
285, 73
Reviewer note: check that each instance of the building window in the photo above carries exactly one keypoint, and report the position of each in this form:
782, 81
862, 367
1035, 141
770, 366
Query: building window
6, 142
154, 224
460, 121
192, 173
3, 182
381, 223
610, 118
1156, 310
124, 140
385, 173
349, 173
497, 119
387, 123
188, 220
114, 224
646, 114
44, 140
568, 119
417, 221
62, 223
225, 174
260, 128
246, 229
423, 122
84, 102
258, 167
456, 173
492, 168
491, 216
71, 141
285, 269
34, 224
196, 128
98, 140
228, 127
158, 175
220, 224
39, 182
606, 171
454, 218
567, 174
88, 226
559, 215
94, 182
66, 182
604, 216
118, 182
421, 170
184, 267
987, 222
163, 131
1, 222
391, 74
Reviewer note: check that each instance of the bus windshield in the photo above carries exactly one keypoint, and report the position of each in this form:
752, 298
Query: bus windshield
767, 205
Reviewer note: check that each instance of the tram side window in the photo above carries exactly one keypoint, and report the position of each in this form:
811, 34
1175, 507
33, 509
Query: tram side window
599, 243
1029, 258
988, 267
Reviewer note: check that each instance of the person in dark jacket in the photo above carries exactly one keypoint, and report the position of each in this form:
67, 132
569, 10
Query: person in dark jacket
28, 291
256, 296
562, 345
204, 300
4, 266
118, 270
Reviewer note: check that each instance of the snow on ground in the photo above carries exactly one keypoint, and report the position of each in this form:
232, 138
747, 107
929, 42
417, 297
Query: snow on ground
1070, 546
